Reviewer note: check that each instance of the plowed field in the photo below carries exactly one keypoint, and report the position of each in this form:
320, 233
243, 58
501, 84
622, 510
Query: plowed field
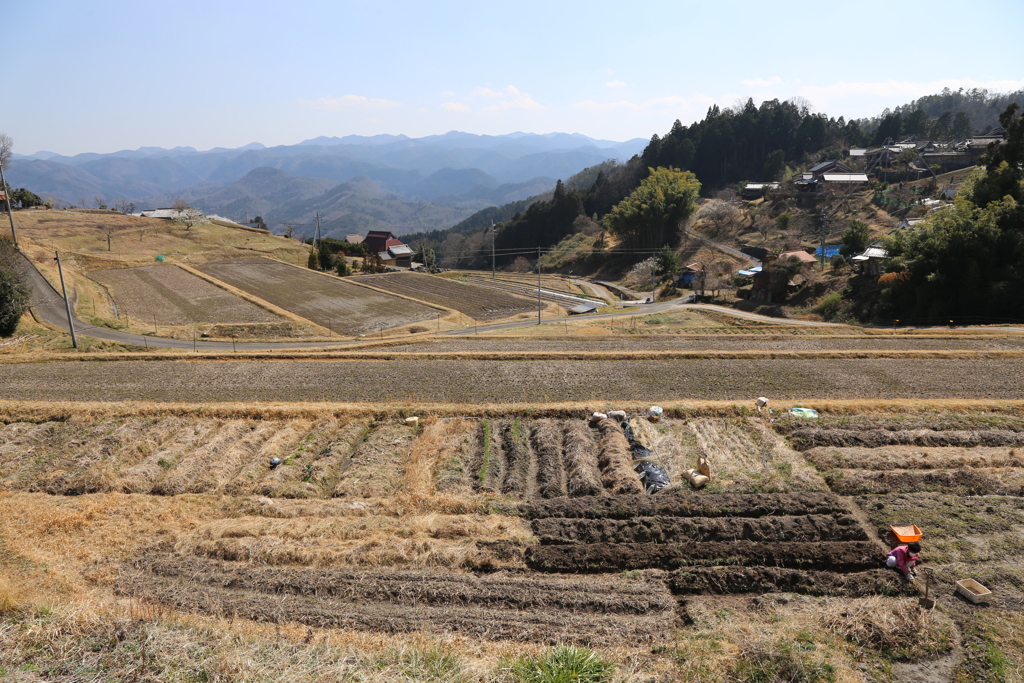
170, 295
478, 303
329, 302
496, 381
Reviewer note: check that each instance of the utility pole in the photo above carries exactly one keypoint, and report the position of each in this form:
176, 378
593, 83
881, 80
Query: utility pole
538, 285
10, 216
316, 235
493, 269
825, 220
67, 304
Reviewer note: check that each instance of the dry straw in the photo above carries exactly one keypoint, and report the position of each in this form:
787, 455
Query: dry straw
615, 460
584, 478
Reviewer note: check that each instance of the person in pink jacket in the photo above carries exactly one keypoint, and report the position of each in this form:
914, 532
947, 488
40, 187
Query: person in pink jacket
904, 558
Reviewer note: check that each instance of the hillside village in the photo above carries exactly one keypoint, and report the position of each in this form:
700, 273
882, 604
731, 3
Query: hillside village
738, 403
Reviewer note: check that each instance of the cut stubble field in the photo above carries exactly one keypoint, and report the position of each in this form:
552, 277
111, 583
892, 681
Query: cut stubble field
495, 381
476, 302
171, 296
329, 302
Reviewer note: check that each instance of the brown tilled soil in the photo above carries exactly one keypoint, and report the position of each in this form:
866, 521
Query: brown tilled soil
479, 303
610, 557
172, 296
913, 457
706, 340
812, 437
329, 302
729, 580
557, 531
494, 381
966, 481
593, 612
716, 505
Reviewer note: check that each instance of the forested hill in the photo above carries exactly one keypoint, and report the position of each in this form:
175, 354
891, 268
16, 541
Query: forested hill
726, 147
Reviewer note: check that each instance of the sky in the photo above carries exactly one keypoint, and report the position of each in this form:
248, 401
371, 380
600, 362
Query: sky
101, 76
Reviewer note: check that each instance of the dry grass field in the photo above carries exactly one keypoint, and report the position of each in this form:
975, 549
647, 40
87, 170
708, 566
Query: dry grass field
173, 296
476, 302
330, 302
461, 547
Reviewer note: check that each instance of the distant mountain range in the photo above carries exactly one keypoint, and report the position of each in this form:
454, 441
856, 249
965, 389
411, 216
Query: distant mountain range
404, 184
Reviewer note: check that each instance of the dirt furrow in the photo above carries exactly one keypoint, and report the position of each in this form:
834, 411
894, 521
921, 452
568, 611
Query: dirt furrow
613, 557
543, 626
611, 596
583, 478
1005, 481
727, 580
555, 531
811, 437
547, 444
711, 505
913, 457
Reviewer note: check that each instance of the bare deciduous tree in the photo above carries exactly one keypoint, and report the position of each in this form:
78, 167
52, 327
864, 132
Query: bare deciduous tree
520, 265
720, 213
6, 149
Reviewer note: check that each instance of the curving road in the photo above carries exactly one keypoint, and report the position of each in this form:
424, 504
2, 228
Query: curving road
48, 306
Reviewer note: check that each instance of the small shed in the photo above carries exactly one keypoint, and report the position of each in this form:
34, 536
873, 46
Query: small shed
872, 260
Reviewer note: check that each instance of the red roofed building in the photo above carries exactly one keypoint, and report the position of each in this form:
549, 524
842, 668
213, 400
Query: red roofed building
377, 240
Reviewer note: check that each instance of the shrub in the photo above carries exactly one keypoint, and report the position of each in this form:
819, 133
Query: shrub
563, 664
829, 305
14, 295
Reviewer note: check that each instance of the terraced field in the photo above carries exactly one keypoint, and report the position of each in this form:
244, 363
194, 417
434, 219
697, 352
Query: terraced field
329, 302
477, 302
527, 290
170, 295
503, 381
512, 529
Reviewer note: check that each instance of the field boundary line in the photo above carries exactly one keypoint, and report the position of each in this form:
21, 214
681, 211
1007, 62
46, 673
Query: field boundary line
59, 411
525, 356
251, 298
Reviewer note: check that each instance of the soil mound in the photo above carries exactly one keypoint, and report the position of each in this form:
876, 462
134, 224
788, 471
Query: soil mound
843, 556
727, 580
686, 505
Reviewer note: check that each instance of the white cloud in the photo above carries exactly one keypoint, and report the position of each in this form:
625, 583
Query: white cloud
455, 106
761, 82
348, 103
448, 93
423, 110
508, 98
615, 84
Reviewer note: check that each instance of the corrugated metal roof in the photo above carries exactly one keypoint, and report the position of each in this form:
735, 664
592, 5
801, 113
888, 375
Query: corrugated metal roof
845, 178
400, 250
875, 252
858, 152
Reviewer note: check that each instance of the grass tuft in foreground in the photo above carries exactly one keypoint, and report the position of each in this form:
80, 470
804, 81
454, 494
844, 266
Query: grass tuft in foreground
563, 664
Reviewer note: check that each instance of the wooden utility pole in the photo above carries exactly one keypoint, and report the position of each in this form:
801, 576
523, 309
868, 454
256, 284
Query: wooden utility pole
10, 216
493, 269
67, 304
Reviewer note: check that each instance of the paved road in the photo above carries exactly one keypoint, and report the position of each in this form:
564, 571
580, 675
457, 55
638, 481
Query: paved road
48, 305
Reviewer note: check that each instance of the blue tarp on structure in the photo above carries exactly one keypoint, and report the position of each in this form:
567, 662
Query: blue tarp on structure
830, 250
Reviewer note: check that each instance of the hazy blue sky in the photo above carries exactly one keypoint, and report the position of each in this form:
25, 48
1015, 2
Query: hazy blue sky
102, 75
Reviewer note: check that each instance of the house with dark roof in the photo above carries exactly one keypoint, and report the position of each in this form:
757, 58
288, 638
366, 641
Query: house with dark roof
391, 250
